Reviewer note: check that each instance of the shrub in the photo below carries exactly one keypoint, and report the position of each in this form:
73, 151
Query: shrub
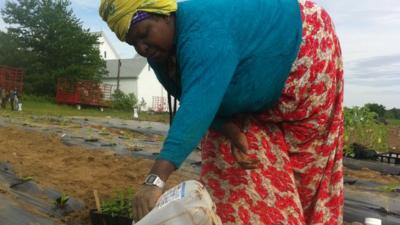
362, 126
35, 98
123, 101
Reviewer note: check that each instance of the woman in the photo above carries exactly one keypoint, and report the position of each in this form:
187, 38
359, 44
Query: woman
266, 77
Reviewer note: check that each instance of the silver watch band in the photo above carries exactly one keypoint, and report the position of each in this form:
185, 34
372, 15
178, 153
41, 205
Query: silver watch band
153, 179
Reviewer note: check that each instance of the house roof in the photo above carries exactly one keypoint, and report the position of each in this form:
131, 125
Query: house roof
130, 68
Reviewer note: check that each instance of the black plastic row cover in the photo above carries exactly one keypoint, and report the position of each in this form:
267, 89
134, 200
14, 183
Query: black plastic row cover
13, 214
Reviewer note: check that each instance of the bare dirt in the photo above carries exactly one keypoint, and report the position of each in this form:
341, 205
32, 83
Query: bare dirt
394, 139
36, 149
373, 176
73, 170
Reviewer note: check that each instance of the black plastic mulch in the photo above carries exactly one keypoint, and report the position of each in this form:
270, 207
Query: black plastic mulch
24, 202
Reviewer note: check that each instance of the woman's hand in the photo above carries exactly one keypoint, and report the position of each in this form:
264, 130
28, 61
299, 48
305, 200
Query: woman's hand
147, 196
144, 201
239, 146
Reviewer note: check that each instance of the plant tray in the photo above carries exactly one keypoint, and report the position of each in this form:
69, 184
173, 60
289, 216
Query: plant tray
97, 218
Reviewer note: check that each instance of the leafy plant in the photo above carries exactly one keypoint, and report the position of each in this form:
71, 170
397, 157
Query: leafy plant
123, 101
362, 126
26, 179
21, 181
35, 98
378, 109
120, 205
61, 201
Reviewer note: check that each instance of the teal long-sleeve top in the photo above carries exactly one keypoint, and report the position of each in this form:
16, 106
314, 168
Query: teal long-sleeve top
234, 56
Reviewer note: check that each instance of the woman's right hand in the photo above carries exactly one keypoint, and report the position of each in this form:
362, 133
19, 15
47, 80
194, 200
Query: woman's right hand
239, 146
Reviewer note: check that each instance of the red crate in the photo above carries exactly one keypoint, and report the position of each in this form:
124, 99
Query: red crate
83, 92
12, 79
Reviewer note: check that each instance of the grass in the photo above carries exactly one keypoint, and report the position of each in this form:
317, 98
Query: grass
33, 106
394, 122
390, 188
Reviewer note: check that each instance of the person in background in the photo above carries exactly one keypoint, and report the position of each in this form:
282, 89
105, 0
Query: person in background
14, 100
261, 84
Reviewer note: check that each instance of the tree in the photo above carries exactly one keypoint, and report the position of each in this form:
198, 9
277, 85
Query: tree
49, 42
377, 108
362, 127
10, 53
393, 113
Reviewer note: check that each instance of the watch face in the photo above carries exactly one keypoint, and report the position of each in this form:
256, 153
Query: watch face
151, 179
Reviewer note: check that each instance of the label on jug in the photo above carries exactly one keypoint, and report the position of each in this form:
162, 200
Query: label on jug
173, 194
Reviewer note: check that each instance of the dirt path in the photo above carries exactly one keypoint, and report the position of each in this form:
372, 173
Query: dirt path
73, 170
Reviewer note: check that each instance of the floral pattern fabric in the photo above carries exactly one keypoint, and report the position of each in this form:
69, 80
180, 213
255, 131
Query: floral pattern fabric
299, 143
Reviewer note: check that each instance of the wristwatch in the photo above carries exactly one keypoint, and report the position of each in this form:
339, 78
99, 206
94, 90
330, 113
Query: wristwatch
154, 180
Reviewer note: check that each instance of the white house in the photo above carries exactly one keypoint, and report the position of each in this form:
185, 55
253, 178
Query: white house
106, 49
136, 76
151, 91
132, 75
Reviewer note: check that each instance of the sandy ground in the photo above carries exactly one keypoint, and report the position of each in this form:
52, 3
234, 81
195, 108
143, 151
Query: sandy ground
36, 149
73, 170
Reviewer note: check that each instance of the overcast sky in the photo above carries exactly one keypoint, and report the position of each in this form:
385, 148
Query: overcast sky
369, 32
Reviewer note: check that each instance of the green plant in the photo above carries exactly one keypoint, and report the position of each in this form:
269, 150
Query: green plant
21, 181
362, 126
33, 42
120, 205
35, 111
123, 101
104, 132
61, 201
26, 179
390, 188
35, 98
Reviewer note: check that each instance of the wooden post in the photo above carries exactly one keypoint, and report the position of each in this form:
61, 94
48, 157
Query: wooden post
97, 199
118, 73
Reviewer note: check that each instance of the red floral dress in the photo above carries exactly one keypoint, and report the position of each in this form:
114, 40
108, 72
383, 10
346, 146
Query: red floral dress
299, 143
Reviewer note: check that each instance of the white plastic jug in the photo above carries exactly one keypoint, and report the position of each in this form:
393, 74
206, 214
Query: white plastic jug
188, 203
372, 221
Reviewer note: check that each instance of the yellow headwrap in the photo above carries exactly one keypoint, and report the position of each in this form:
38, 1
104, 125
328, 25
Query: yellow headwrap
118, 13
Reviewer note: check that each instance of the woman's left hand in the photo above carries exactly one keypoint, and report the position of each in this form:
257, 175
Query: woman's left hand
239, 146
144, 201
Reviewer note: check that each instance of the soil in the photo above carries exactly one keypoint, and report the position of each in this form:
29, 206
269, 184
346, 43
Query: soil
36, 149
373, 176
73, 170
394, 139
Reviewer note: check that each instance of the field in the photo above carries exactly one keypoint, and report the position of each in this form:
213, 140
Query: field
34, 143
78, 151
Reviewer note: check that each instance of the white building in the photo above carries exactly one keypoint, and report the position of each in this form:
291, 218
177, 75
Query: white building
106, 49
133, 75
137, 77
150, 89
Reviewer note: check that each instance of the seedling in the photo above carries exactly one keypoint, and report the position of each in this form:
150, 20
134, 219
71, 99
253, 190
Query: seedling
120, 205
21, 181
61, 201
104, 133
